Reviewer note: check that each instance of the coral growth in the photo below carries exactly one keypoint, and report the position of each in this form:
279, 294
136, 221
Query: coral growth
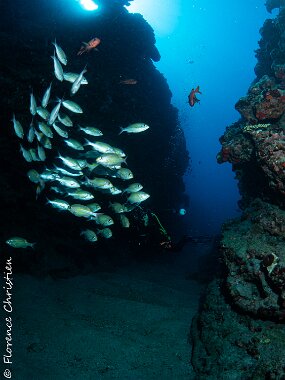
265, 100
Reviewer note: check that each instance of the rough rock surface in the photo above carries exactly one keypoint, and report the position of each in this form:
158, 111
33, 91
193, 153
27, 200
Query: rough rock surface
239, 331
231, 346
255, 144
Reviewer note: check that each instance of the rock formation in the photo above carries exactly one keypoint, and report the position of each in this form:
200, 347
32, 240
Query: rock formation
238, 333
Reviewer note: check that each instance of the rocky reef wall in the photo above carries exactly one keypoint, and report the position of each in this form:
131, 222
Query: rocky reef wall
238, 333
127, 51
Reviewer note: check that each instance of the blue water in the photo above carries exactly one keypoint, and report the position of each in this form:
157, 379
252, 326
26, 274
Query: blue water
220, 38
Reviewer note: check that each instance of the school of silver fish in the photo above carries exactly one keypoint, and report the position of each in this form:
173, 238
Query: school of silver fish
72, 183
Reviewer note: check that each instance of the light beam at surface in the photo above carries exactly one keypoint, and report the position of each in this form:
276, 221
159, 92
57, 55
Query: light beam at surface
162, 15
88, 5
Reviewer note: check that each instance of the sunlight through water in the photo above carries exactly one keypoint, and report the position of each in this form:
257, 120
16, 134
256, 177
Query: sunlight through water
162, 16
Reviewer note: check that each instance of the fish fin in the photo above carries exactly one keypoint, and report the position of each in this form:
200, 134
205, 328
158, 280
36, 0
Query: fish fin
198, 90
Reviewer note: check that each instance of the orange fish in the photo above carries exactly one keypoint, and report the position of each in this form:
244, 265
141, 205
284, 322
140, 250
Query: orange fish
128, 81
86, 47
192, 99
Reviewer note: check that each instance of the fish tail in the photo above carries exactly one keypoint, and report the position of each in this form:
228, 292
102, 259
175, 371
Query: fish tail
122, 130
198, 90
32, 245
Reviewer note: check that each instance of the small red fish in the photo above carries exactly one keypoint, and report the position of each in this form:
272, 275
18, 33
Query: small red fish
92, 44
128, 81
192, 99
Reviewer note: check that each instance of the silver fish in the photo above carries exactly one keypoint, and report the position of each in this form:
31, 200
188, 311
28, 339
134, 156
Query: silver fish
71, 77
69, 174
115, 191
49, 175
26, 154
77, 83
89, 235
18, 242
68, 182
105, 232
70, 162
124, 221
33, 104
63, 133
72, 106
41, 153
100, 146
94, 207
58, 71
117, 207
104, 220
60, 53
135, 128
138, 197
119, 152
45, 129
81, 195
54, 113
124, 174
133, 188
81, 211
46, 97
31, 133
43, 113
110, 160
34, 176
65, 120
92, 131
59, 204
100, 183
45, 141
34, 154
18, 128
74, 144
